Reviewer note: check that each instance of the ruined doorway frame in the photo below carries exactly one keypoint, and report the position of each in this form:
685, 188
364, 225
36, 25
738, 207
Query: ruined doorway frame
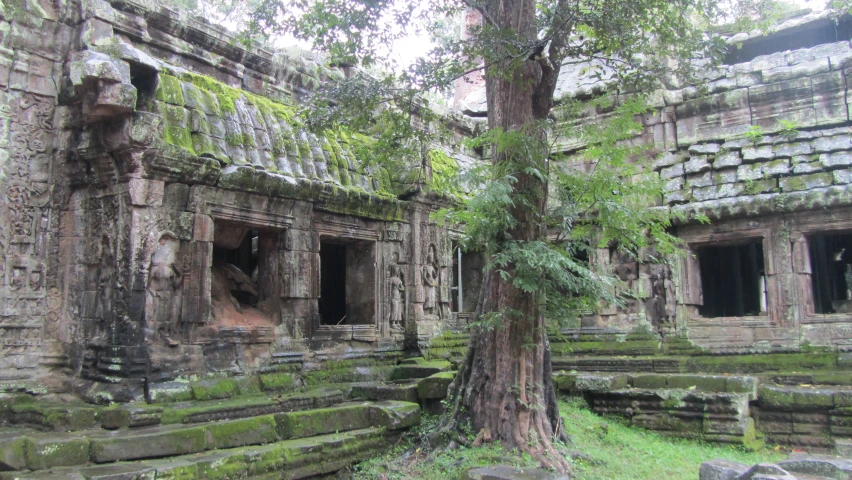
345, 229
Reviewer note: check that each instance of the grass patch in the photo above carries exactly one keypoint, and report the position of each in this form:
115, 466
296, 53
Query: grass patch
619, 451
407, 462
614, 450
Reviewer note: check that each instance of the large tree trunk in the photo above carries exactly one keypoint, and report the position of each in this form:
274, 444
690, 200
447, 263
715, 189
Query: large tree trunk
505, 385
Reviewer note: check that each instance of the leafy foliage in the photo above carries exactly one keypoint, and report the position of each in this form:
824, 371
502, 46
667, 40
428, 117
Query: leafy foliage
599, 198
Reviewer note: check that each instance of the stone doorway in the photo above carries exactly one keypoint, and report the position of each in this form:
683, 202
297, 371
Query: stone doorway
347, 282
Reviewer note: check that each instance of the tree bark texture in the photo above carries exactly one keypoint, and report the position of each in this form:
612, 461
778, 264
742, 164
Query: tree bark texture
505, 386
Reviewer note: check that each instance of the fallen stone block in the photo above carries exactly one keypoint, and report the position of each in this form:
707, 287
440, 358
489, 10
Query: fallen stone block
818, 465
394, 415
721, 469
765, 471
505, 472
435, 386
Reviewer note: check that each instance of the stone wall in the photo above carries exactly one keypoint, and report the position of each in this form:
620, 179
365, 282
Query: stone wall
166, 210
760, 149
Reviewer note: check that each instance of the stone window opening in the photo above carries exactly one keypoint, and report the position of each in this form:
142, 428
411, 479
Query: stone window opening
244, 258
831, 272
243, 288
145, 80
347, 282
733, 280
467, 280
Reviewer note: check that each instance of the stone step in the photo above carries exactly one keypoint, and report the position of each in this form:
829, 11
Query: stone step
827, 378
27, 411
39, 451
242, 407
763, 364
300, 458
433, 387
607, 381
420, 369
804, 397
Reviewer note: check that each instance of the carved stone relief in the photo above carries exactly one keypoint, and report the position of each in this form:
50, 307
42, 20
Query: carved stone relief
396, 285
431, 276
163, 300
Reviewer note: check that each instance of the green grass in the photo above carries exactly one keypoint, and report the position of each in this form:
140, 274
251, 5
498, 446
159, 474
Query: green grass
618, 451
613, 450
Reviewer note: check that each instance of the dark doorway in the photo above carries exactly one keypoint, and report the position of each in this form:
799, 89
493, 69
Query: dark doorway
733, 280
332, 301
831, 272
467, 280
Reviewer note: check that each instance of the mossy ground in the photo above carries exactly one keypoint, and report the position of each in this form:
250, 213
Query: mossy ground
613, 450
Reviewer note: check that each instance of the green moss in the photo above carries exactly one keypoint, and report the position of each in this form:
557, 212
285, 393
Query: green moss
347, 375
642, 347
706, 383
764, 362
435, 386
234, 465
182, 412
43, 454
248, 140
228, 96
775, 396
273, 108
169, 90
70, 419
225, 95
234, 139
174, 115
671, 403
651, 381
246, 431
277, 382
321, 421
13, 452
179, 137
215, 389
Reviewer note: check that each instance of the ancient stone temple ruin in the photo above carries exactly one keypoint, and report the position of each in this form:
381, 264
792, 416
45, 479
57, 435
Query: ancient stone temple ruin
756, 158
184, 264
172, 236
167, 215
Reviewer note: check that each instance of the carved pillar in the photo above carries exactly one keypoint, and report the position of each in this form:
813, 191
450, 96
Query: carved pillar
299, 271
419, 213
